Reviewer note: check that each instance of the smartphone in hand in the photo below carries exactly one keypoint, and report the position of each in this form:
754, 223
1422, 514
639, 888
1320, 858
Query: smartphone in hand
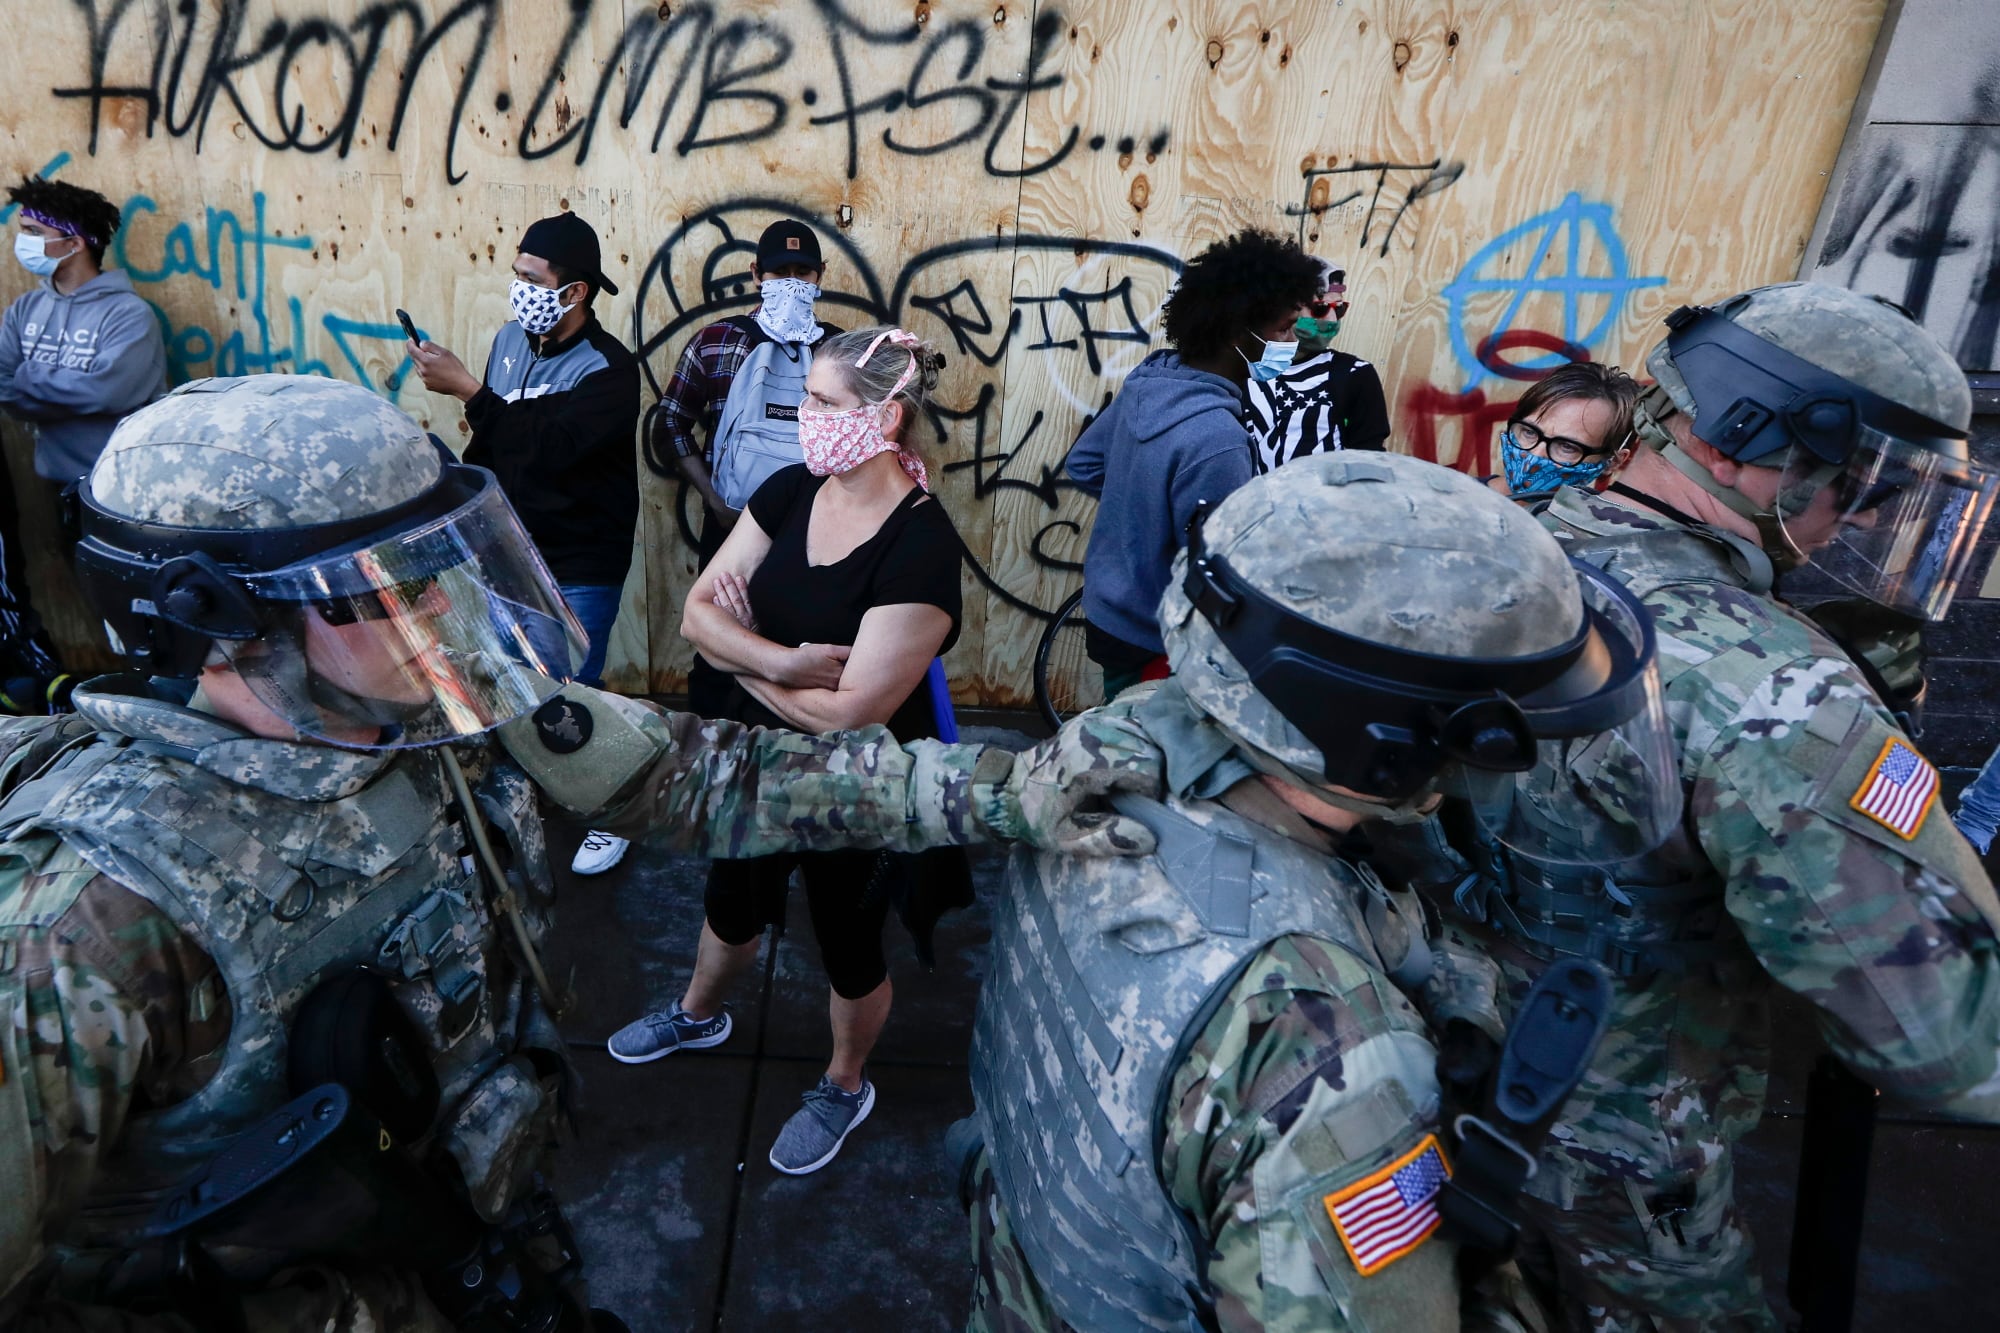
410, 328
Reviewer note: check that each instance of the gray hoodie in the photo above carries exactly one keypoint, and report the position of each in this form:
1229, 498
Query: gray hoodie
73, 365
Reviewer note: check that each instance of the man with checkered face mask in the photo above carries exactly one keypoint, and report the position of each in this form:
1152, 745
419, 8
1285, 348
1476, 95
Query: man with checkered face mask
555, 420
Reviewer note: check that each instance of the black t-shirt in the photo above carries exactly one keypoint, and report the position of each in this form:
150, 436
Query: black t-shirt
913, 557
1326, 402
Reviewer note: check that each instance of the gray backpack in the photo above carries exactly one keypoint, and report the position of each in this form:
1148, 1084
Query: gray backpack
758, 431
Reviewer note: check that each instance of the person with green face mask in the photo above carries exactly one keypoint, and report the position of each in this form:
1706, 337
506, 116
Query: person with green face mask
1324, 400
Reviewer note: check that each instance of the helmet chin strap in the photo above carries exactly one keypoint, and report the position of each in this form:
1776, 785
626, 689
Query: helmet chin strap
1649, 423
1412, 809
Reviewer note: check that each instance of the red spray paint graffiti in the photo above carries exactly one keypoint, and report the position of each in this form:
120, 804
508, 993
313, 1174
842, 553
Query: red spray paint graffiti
1426, 405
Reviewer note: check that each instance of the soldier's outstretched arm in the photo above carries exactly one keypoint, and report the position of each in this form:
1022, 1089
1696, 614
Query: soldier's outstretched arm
725, 789
100, 998
1849, 882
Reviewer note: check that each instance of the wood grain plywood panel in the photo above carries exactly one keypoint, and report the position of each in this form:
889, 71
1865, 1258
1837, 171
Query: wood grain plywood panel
1014, 179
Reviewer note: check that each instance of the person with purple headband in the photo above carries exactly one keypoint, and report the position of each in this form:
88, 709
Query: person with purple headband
81, 348
77, 352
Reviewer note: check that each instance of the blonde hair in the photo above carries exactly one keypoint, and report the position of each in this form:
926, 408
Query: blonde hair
875, 382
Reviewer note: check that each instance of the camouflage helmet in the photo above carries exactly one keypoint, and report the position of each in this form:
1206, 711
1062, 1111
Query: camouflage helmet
1862, 339
317, 541
263, 452
1409, 610
1860, 412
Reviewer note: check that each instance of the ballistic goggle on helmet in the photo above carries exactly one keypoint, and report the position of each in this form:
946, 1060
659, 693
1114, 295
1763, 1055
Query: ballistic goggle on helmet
1865, 416
317, 541
1377, 626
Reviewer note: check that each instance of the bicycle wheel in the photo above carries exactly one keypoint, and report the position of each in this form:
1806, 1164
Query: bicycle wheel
1066, 680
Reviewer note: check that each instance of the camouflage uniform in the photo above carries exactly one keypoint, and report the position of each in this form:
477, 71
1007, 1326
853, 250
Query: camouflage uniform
1314, 1073
171, 886
1785, 881
1184, 1065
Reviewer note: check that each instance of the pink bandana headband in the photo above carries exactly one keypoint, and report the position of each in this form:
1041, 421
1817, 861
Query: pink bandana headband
66, 228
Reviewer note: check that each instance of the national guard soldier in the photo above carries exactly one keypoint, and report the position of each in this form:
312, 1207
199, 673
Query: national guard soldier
1791, 423
276, 1048
1205, 1097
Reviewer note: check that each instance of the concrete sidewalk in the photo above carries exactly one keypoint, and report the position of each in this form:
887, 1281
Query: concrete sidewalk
687, 1227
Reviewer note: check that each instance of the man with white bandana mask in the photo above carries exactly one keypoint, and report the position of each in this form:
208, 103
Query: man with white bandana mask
731, 408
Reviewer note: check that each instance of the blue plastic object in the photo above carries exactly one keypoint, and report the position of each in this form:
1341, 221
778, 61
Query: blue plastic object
947, 720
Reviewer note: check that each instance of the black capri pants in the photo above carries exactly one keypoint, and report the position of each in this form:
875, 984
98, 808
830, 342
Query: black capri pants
846, 894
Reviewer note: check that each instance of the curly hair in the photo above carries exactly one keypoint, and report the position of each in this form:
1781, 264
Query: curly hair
1242, 282
94, 217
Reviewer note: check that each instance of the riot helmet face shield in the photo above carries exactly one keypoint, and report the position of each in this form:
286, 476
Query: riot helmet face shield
1897, 523
431, 628
1885, 499
1604, 784
1391, 723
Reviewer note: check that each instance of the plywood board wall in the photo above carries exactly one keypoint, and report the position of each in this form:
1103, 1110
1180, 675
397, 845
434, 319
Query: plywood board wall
1019, 181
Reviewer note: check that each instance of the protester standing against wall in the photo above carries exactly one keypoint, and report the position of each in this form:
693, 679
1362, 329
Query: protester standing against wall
827, 603
738, 383
77, 352
1325, 399
1174, 437
555, 419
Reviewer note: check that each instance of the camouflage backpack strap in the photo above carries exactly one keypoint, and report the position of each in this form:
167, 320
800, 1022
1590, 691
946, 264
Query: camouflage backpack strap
1646, 560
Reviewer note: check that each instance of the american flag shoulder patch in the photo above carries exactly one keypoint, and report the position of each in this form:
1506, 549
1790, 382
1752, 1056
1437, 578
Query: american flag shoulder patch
1384, 1216
1898, 790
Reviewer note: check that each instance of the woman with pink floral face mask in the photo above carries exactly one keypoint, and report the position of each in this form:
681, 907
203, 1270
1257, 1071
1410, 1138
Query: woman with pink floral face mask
827, 603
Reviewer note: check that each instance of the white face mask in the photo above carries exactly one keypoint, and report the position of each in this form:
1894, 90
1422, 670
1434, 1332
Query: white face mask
787, 311
33, 252
538, 309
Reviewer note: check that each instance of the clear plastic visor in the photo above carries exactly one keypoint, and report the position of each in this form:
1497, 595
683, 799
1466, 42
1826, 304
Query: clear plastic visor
435, 634
1594, 796
1897, 523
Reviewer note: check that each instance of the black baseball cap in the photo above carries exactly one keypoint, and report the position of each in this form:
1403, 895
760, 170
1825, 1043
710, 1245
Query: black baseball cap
788, 242
570, 243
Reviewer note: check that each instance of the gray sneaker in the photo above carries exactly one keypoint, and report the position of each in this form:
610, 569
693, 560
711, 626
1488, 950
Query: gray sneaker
816, 1130
664, 1033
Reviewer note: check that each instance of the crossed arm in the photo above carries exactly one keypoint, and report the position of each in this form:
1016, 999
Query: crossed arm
815, 687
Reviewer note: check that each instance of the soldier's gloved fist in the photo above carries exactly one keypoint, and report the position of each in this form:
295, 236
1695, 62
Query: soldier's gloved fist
1062, 788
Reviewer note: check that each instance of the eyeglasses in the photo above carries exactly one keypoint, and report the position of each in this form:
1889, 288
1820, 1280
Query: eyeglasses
1556, 448
396, 600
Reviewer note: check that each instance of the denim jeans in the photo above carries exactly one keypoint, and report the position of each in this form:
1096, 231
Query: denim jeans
596, 607
1979, 806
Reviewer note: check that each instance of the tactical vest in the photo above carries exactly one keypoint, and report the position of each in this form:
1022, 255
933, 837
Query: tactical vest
1103, 973
289, 864
758, 431
1663, 911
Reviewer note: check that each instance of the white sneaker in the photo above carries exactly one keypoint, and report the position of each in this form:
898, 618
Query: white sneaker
600, 852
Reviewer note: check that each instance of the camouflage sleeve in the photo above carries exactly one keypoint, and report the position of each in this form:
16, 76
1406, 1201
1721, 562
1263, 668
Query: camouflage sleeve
1849, 884
102, 1001
729, 790
1314, 1078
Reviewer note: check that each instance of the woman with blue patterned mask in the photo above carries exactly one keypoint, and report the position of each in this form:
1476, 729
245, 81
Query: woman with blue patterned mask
1571, 428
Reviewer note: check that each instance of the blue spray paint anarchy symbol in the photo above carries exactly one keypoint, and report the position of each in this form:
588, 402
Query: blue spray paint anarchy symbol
1567, 223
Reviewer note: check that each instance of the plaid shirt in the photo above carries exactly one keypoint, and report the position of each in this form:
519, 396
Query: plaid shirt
700, 386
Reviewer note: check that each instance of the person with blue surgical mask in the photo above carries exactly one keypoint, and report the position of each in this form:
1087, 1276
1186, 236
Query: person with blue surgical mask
81, 348
1571, 428
1175, 436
